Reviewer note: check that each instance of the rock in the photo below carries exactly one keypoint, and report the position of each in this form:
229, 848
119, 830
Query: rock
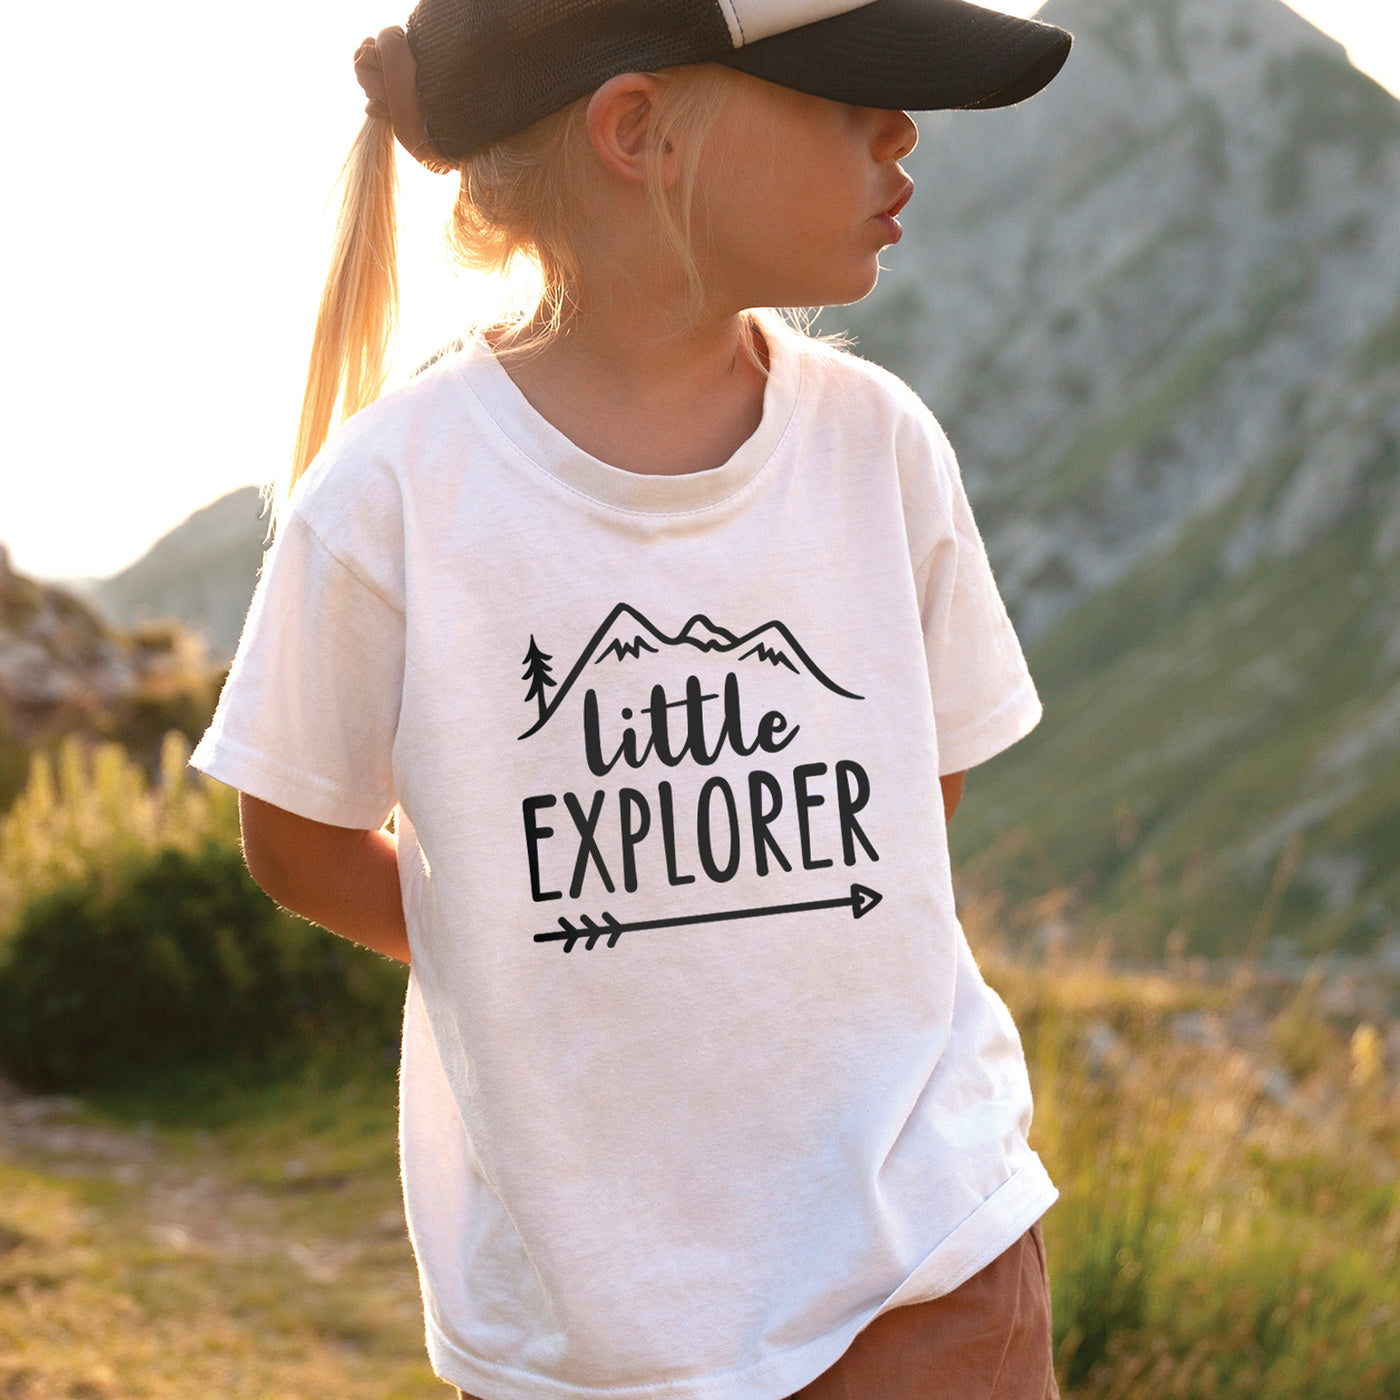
63, 667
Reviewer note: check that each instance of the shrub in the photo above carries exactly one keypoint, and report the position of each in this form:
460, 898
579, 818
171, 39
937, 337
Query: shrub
132, 938
176, 957
83, 815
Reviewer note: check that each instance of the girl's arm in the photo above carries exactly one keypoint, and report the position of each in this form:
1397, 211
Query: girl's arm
952, 785
343, 879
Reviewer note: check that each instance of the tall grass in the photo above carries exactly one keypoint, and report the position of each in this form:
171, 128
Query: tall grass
92, 809
1228, 1159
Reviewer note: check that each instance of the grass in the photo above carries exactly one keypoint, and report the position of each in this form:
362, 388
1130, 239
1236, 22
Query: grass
257, 1249
1229, 1223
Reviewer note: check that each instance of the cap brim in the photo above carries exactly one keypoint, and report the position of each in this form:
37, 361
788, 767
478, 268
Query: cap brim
916, 55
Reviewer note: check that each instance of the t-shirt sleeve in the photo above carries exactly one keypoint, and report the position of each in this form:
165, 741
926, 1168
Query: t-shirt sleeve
308, 714
983, 697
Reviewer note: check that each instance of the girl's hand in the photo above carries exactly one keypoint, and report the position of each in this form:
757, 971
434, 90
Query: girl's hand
343, 879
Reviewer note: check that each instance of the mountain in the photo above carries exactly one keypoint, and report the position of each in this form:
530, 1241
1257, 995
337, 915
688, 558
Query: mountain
202, 573
1158, 311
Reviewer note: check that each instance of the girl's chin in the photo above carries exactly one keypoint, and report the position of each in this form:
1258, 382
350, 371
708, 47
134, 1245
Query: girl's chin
843, 291
855, 290
830, 288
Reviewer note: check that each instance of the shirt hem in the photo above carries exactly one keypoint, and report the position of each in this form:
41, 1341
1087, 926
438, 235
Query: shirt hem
228, 761
991, 1229
1008, 724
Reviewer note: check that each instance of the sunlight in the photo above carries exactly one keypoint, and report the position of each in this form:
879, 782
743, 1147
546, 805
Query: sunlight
174, 234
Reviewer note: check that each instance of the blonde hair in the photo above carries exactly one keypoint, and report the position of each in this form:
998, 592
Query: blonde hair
520, 200
359, 303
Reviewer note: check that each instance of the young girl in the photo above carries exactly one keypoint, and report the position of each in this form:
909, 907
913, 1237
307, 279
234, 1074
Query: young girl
667, 636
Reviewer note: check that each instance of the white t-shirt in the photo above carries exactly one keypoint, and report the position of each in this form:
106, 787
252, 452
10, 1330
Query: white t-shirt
699, 1074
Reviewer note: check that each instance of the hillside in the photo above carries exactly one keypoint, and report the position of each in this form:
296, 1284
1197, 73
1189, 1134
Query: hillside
1158, 310
201, 573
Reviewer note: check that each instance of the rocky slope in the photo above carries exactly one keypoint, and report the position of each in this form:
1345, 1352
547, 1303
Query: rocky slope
1130, 295
64, 669
1158, 310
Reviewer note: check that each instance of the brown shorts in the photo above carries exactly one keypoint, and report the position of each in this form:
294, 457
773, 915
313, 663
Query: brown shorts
987, 1340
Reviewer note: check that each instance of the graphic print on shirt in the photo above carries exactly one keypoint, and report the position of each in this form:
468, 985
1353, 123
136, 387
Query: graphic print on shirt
640, 699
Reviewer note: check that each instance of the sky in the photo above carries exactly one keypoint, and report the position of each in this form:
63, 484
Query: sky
171, 175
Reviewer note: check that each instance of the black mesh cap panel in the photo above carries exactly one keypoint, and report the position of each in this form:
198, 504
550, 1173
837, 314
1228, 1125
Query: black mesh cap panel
490, 68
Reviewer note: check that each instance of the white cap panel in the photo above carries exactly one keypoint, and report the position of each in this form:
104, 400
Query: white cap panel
751, 20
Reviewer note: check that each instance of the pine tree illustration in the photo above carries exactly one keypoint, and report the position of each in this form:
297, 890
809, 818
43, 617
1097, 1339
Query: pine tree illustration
537, 673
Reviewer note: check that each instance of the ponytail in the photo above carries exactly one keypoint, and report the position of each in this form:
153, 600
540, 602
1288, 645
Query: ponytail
360, 302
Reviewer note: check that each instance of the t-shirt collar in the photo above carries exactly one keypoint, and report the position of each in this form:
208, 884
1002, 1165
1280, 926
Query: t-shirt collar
548, 449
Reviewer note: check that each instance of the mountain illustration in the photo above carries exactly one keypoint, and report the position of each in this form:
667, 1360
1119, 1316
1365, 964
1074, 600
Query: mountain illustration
626, 637
703, 633
767, 645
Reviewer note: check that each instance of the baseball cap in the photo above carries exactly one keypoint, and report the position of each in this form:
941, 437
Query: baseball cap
487, 69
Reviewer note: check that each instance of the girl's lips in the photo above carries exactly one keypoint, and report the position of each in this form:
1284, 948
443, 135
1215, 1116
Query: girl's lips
889, 218
906, 195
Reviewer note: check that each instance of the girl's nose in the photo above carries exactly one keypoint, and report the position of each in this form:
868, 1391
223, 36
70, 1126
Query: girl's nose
896, 135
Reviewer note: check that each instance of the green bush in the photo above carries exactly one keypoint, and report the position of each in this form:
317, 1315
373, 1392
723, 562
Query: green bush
176, 957
88, 810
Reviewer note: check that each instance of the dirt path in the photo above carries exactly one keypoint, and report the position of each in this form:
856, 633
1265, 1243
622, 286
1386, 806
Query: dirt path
137, 1263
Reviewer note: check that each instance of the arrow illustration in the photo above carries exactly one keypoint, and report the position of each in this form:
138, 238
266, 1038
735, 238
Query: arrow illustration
860, 902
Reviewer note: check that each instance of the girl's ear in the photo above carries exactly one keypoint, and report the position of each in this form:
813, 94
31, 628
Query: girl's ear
620, 124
